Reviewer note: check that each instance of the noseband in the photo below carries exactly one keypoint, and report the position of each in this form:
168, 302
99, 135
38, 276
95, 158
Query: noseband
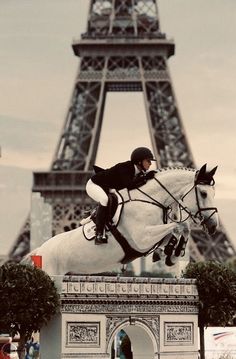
198, 215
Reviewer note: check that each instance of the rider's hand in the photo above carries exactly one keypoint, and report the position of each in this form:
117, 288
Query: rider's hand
150, 174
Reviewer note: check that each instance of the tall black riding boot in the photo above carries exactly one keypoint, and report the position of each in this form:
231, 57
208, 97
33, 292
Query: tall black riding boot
100, 224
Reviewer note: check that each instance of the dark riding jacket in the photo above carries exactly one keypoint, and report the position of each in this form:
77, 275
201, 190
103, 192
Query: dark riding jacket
120, 176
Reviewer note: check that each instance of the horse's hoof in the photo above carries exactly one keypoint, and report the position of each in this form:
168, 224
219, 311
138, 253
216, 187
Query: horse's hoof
168, 261
169, 248
156, 257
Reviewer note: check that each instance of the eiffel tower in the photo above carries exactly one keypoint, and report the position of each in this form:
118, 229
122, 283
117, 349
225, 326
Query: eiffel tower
123, 49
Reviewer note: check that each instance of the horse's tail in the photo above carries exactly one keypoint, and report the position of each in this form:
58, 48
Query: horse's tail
27, 258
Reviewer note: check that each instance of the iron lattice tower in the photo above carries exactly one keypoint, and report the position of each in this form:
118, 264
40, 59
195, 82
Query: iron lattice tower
123, 49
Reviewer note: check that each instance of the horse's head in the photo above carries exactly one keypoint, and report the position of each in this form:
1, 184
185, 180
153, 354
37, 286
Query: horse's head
184, 193
200, 199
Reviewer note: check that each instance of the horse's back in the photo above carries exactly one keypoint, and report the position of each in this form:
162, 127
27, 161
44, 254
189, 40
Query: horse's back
61, 238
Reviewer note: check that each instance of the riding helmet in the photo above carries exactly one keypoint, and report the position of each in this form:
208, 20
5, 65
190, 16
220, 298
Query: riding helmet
140, 154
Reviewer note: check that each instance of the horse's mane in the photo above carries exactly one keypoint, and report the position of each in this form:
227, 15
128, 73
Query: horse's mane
171, 168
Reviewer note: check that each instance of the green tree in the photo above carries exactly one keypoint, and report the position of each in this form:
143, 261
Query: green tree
28, 300
232, 263
217, 295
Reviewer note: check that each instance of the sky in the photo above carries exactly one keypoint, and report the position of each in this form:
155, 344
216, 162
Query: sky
37, 75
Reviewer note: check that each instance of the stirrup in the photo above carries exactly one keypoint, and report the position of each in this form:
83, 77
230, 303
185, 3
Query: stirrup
100, 239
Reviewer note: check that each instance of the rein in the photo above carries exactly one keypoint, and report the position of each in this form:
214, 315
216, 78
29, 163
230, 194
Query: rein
196, 217
180, 204
154, 203
198, 214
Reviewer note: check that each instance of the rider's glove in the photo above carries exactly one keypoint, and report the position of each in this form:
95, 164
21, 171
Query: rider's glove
150, 174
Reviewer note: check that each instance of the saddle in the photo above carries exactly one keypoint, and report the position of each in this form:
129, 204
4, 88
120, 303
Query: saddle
113, 217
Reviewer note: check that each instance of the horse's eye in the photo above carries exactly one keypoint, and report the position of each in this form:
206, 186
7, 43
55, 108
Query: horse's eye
203, 194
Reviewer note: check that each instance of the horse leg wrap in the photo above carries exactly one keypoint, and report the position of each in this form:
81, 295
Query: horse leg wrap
169, 248
180, 249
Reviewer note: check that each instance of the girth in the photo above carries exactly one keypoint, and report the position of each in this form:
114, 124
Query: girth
129, 253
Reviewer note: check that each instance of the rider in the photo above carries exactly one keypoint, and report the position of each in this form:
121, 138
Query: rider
129, 174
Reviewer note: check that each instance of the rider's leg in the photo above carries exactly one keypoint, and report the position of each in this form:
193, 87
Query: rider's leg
99, 195
100, 224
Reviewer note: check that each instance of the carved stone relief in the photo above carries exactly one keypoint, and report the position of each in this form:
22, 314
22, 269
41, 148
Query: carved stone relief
127, 308
176, 333
83, 334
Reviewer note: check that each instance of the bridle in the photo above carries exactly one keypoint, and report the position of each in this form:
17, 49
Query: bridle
200, 210
196, 217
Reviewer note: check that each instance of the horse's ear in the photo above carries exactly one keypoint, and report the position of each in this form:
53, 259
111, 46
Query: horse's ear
213, 171
202, 170
204, 177
201, 174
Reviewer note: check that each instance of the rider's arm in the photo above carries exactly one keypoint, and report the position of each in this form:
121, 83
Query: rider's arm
141, 178
138, 180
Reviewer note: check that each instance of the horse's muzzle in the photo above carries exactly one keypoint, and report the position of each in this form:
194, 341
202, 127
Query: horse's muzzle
210, 225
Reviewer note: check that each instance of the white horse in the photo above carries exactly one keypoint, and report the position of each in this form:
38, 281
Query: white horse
166, 204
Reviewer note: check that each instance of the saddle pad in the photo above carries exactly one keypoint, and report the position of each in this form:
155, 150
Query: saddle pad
89, 230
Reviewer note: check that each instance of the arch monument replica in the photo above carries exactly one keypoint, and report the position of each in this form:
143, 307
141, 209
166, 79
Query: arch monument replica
159, 316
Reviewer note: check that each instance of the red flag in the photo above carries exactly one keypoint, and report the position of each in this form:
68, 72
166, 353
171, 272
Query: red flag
37, 260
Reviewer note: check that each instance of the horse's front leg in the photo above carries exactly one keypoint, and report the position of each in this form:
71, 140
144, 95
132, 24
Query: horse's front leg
180, 239
151, 235
173, 244
182, 229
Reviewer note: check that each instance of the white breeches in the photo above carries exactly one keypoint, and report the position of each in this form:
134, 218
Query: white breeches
97, 193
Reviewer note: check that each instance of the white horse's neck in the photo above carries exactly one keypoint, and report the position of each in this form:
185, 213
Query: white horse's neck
177, 181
